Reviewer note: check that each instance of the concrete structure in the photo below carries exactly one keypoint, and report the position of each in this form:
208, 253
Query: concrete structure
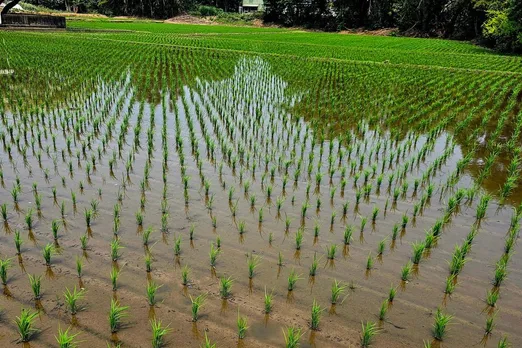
21, 20
251, 6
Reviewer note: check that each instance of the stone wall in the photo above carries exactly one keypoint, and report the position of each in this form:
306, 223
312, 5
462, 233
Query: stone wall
31, 21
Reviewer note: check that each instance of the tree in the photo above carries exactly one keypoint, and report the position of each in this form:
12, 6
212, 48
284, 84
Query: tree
8, 6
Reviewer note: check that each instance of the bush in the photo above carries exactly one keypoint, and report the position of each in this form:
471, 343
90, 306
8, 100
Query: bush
209, 11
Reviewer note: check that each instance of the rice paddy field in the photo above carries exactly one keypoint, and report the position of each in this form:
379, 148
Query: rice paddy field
212, 186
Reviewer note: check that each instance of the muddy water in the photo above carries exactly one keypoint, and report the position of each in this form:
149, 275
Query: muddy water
253, 91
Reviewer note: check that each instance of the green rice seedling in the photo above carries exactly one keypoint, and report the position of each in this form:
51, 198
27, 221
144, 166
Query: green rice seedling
369, 262
292, 336
430, 239
152, 288
268, 302
115, 273
115, 249
88, 214
440, 325
83, 241
36, 282
185, 271
405, 220
225, 286
381, 247
214, 221
304, 208
208, 343
191, 231
197, 304
18, 242
287, 223
71, 299
25, 324
337, 290
293, 277
280, 259
406, 271
213, 254
490, 324
369, 330
299, 238
241, 325
253, 262
270, 238
252, 200
241, 226
395, 231
417, 250
177, 246
331, 251
392, 293
65, 339
347, 237
503, 343
148, 262
457, 261
345, 208
29, 219
375, 212
139, 218
315, 316
500, 272
116, 314
55, 226
146, 235
450, 284
14, 193
47, 251
383, 310
482, 207
313, 266
79, 266
492, 297
4, 212
364, 220
158, 333
4, 266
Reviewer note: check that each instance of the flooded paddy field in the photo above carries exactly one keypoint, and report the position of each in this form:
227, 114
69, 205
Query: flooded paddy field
256, 188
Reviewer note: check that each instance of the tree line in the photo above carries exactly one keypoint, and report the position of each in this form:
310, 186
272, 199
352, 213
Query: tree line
495, 23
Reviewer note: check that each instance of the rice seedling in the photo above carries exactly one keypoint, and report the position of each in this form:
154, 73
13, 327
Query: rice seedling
114, 275
36, 282
293, 277
177, 246
347, 237
490, 324
369, 262
492, 297
158, 333
392, 293
185, 271
450, 284
197, 304
369, 330
331, 251
4, 212
241, 325
116, 314
83, 241
213, 254
47, 251
115, 249
71, 299
500, 272
364, 220
4, 266
299, 238
225, 286
66, 339
292, 336
503, 343
406, 271
253, 262
418, 249
440, 325
268, 299
337, 290
381, 247
29, 219
25, 324
315, 317
148, 262
383, 310
280, 259
139, 218
375, 212
18, 242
